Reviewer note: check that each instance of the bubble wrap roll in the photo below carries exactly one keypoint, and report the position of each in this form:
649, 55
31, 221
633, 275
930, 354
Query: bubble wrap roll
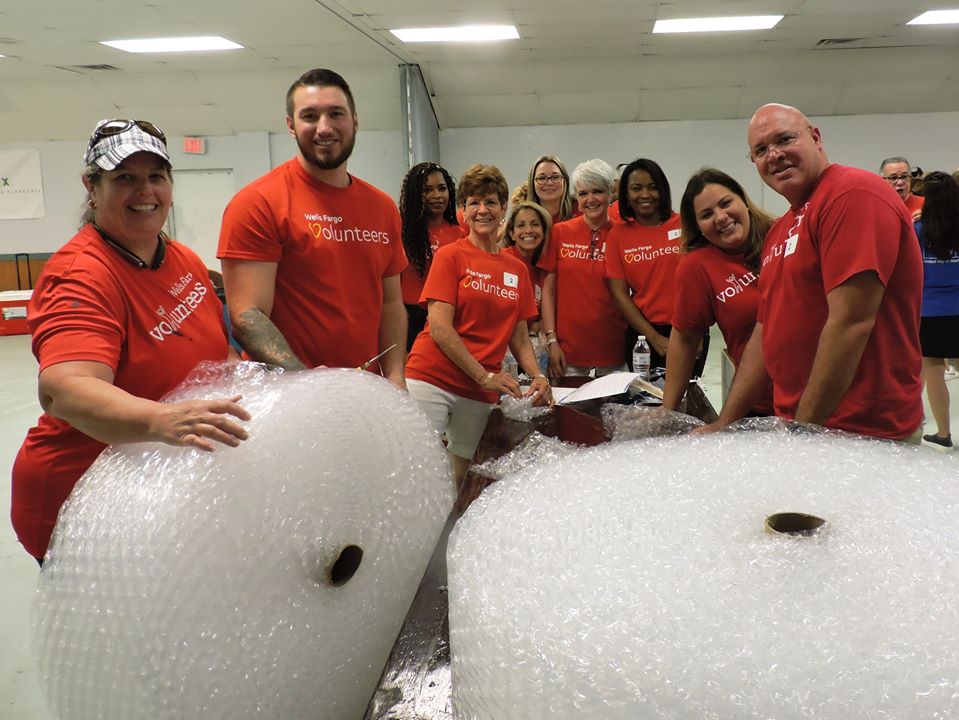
183, 584
637, 580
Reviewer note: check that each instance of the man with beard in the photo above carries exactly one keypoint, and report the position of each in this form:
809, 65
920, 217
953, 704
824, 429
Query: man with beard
311, 254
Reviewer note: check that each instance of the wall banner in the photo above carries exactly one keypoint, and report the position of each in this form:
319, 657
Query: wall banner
21, 186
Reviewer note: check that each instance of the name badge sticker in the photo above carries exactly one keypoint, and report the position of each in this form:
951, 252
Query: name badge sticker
510, 280
674, 234
791, 242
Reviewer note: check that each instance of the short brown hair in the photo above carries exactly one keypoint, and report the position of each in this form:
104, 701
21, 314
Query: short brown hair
482, 180
319, 77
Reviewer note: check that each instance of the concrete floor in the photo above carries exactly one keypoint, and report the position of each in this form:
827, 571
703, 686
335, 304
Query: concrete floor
20, 697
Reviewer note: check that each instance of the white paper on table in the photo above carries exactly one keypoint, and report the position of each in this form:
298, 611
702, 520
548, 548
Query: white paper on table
613, 384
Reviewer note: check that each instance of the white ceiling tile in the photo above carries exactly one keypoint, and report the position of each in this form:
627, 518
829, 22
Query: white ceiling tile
820, 99
589, 107
568, 48
488, 110
689, 104
879, 97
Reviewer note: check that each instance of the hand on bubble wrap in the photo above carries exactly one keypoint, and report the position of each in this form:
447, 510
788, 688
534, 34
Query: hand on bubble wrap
267, 582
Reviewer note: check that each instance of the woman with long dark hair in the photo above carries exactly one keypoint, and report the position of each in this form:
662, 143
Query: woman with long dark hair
717, 280
938, 232
429, 222
642, 258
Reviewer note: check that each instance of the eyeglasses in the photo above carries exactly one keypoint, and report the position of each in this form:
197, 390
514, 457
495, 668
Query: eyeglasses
896, 178
548, 179
115, 127
784, 141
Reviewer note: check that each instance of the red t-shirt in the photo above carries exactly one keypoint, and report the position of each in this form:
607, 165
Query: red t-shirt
646, 258
589, 328
715, 287
150, 326
853, 222
491, 294
333, 248
411, 281
536, 274
914, 203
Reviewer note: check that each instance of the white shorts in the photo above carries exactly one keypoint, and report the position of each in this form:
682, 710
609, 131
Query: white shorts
462, 419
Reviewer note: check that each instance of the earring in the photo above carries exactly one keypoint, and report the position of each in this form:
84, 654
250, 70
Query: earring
90, 204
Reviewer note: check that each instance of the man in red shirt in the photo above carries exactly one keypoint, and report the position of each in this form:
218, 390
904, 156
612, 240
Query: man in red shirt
840, 289
312, 255
898, 172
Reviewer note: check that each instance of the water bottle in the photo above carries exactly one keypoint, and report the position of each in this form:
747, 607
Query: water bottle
641, 357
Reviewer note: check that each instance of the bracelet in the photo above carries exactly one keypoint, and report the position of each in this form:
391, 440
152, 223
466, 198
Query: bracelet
489, 376
551, 341
549, 332
540, 377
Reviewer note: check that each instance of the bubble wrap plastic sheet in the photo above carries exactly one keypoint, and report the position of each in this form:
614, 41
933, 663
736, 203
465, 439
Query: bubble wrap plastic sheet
534, 450
631, 422
183, 584
521, 409
636, 580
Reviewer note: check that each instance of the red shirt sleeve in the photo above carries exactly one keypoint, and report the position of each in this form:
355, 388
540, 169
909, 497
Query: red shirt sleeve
692, 306
858, 232
74, 317
441, 281
249, 230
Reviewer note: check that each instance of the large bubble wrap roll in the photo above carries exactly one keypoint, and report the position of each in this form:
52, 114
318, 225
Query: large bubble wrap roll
183, 584
638, 580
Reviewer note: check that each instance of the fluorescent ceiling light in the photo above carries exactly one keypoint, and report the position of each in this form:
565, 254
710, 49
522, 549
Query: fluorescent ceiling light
462, 33
182, 44
936, 17
717, 24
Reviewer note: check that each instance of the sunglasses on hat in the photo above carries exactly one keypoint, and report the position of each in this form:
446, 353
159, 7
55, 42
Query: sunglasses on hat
115, 127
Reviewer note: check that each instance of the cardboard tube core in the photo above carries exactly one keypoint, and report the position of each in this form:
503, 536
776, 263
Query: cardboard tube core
791, 523
346, 565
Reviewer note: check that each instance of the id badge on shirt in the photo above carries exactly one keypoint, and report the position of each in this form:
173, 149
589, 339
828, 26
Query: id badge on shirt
791, 242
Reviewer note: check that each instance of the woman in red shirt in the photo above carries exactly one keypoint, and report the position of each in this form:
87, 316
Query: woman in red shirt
527, 234
642, 258
429, 222
718, 276
584, 332
119, 316
548, 185
478, 302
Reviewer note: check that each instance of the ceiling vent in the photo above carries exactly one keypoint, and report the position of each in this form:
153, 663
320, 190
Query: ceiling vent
91, 67
837, 42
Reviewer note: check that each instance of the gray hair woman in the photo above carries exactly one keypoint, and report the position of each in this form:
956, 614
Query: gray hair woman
584, 331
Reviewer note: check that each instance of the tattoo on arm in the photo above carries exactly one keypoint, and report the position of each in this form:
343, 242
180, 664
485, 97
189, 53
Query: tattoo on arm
262, 341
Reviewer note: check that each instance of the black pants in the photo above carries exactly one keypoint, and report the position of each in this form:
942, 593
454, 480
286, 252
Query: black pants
659, 361
416, 321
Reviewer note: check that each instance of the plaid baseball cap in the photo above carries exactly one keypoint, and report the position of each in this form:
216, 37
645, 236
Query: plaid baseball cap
113, 141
